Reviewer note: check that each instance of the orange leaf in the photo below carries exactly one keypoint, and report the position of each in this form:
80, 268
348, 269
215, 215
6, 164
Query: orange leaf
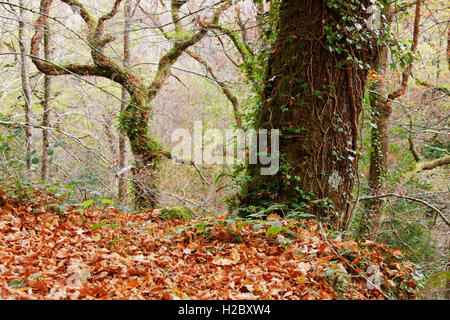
132, 284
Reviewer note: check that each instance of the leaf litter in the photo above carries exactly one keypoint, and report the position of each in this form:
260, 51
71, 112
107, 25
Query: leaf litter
101, 253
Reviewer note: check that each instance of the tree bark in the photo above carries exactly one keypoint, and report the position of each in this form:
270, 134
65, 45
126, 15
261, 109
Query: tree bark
448, 48
315, 102
46, 107
122, 179
146, 150
381, 110
447, 285
26, 87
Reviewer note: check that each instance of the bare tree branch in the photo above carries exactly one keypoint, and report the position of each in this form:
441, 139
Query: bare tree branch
415, 40
412, 147
447, 222
90, 21
230, 96
180, 45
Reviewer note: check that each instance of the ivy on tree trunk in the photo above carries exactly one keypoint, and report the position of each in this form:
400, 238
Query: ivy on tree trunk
313, 94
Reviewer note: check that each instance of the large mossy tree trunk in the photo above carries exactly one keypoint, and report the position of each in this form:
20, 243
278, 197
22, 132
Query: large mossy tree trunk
313, 94
145, 148
134, 117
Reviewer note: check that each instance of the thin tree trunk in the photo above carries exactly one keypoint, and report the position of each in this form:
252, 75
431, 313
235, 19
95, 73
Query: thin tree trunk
46, 106
122, 179
381, 109
122, 193
448, 48
380, 114
315, 104
26, 87
111, 138
447, 285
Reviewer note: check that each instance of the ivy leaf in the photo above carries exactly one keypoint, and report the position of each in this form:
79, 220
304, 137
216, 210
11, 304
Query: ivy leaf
87, 203
101, 224
17, 283
258, 226
273, 230
276, 223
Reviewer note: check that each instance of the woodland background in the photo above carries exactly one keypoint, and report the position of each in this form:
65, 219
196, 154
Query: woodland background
62, 133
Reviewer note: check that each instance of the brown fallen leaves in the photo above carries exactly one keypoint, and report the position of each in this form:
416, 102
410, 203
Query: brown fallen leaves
44, 255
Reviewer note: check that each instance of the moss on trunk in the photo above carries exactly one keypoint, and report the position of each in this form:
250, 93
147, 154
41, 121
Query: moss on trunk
145, 148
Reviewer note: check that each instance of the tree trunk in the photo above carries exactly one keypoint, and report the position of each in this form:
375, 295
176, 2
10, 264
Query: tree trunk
122, 179
122, 193
448, 48
380, 114
135, 116
26, 87
447, 285
314, 97
46, 106
146, 150
381, 109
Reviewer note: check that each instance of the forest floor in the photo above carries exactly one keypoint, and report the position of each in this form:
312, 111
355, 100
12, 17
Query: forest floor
100, 253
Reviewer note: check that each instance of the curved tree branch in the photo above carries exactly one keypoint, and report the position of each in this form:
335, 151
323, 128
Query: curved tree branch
108, 16
424, 165
203, 62
226, 91
245, 54
103, 67
85, 15
439, 212
405, 75
179, 46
